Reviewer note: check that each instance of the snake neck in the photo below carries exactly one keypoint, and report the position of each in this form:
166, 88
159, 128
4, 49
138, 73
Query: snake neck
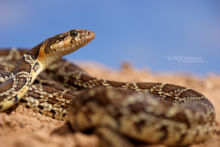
29, 66
17, 83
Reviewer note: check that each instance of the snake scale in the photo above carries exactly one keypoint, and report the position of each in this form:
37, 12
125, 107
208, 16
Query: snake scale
121, 114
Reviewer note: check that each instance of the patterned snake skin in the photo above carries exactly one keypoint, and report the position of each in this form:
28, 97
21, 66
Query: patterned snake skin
121, 114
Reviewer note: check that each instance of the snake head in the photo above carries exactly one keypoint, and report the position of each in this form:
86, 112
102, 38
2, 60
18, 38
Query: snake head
62, 44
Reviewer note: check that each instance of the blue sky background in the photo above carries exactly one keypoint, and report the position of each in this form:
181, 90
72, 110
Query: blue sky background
163, 35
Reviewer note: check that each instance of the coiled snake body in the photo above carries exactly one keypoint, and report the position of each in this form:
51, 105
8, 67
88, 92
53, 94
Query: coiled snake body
121, 114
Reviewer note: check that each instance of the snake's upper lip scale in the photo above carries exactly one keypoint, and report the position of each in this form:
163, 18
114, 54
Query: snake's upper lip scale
91, 33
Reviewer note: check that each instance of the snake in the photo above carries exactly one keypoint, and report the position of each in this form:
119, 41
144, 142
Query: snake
119, 113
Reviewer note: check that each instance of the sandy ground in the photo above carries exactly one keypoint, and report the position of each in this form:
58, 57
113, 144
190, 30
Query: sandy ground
24, 128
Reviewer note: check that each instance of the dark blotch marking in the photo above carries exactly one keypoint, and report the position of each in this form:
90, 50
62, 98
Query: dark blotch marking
147, 85
15, 99
116, 84
85, 78
34, 94
2, 72
136, 107
171, 88
22, 65
47, 49
139, 124
64, 114
52, 111
61, 79
165, 133
52, 101
50, 89
181, 117
23, 101
29, 85
89, 111
99, 93
118, 115
45, 84
40, 107
4, 87
36, 82
2, 97
51, 41
36, 66
181, 139
35, 51
190, 93
21, 82
27, 106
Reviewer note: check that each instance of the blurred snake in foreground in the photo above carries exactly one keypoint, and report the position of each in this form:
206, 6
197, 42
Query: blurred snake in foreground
121, 114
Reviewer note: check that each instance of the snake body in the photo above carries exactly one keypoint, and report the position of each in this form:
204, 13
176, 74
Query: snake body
121, 114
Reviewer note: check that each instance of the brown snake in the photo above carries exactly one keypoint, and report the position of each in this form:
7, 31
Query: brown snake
121, 114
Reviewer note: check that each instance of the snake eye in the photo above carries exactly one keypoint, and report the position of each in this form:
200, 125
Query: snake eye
74, 33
